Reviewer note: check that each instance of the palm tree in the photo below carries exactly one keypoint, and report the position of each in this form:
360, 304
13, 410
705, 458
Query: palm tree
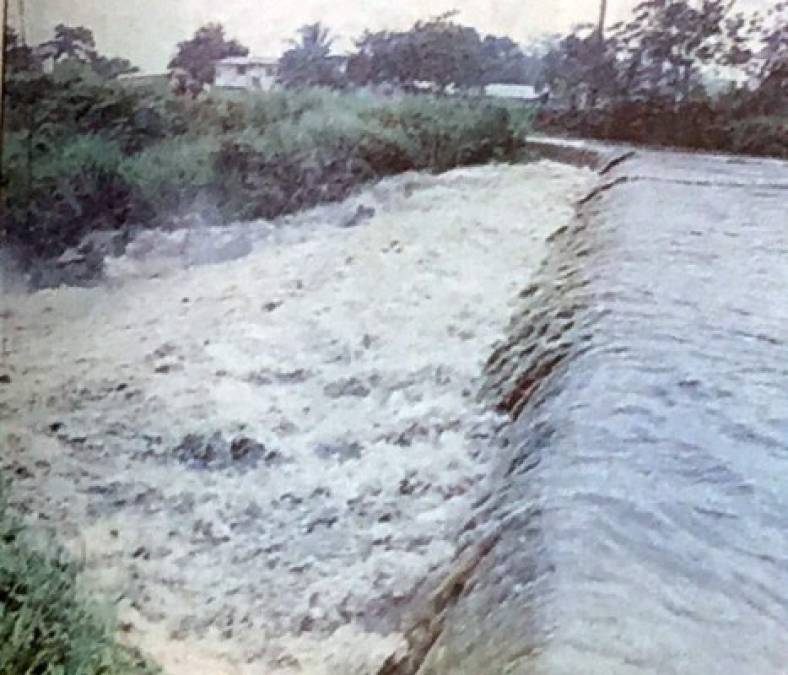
316, 39
308, 62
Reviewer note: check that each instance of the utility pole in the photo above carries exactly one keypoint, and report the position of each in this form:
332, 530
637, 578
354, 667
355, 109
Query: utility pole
4, 16
602, 20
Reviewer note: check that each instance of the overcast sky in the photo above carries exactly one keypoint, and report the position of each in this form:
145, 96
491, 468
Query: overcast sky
146, 31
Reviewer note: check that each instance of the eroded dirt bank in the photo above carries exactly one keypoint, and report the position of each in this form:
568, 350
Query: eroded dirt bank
264, 457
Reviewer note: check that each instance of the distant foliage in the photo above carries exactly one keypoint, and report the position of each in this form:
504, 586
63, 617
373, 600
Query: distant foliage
661, 52
503, 60
72, 48
441, 52
581, 68
19, 57
770, 62
71, 42
309, 62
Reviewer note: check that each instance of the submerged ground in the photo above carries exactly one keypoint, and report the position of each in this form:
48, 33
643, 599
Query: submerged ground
266, 438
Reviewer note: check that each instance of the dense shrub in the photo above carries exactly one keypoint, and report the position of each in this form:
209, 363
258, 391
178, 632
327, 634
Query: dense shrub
61, 108
169, 176
327, 152
72, 188
760, 136
253, 184
47, 625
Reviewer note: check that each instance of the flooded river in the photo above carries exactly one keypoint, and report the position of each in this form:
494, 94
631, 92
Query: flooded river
643, 512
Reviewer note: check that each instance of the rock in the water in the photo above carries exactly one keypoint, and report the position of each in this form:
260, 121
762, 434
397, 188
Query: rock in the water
361, 214
198, 452
249, 452
351, 386
215, 452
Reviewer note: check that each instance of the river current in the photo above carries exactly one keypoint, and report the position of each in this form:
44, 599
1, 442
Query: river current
643, 511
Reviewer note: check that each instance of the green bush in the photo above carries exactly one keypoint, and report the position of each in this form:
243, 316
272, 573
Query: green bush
170, 175
66, 191
322, 155
58, 108
48, 626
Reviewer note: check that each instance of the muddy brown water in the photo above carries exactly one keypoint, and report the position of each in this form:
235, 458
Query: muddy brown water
643, 510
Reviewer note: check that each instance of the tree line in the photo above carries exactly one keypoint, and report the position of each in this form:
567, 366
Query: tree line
667, 49
439, 51
664, 50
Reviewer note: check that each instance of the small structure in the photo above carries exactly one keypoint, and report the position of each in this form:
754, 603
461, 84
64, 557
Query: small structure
47, 57
339, 62
517, 92
246, 72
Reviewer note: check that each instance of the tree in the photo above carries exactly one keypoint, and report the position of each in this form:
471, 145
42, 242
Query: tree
581, 68
382, 57
438, 51
309, 62
770, 62
18, 56
448, 53
194, 64
73, 50
663, 48
71, 42
504, 61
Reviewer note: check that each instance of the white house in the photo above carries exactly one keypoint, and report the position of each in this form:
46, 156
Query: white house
246, 72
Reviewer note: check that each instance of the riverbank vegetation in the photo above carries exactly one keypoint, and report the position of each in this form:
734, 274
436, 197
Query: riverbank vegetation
48, 625
85, 151
247, 156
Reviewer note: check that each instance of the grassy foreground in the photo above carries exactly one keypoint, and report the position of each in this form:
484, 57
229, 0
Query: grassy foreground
48, 625
105, 157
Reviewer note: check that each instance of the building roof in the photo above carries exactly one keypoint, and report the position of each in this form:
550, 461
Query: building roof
248, 61
518, 91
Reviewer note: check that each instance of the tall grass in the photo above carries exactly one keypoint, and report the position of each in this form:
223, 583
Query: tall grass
48, 626
251, 156
171, 174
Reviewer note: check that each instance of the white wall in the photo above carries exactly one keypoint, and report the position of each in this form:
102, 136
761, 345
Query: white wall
254, 77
